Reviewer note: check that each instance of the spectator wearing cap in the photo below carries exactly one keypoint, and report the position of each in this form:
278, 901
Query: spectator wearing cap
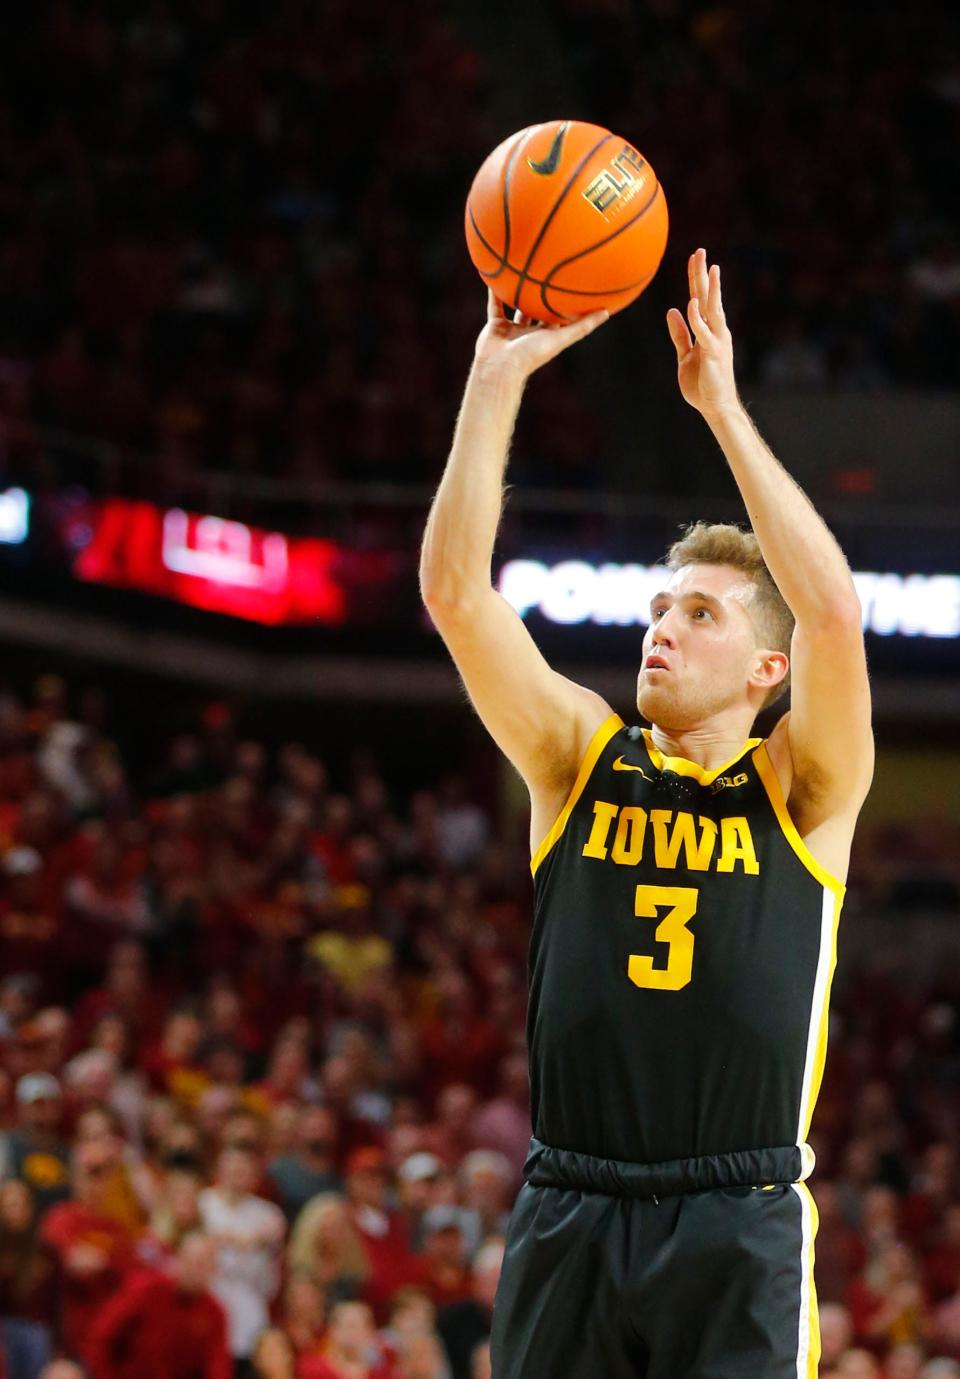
326, 1246
27, 1284
465, 1325
443, 1256
248, 1231
94, 1251
310, 1169
34, 1151
351, 1349
382, 1230
164, 1325
417, 1179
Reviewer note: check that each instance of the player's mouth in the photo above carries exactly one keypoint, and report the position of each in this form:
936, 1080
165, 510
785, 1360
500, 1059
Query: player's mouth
654, 662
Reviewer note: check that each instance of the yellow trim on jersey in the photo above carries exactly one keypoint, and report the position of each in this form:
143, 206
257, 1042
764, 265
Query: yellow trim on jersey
823, 1024
601, 737
811, 1338
681, 767
771, 784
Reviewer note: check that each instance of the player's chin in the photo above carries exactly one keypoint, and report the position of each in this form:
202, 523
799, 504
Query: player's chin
656, 703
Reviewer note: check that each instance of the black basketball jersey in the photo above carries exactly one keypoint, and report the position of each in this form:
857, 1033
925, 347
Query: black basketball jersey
683, 945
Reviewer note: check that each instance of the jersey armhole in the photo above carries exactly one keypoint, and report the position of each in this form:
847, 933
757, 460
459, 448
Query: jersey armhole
601, 737
771, 785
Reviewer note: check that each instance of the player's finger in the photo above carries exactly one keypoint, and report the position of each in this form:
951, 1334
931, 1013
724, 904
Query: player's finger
715, 316
701, 278
495, 311
523, 320
679, 333
701, 331
692, 275
551, 342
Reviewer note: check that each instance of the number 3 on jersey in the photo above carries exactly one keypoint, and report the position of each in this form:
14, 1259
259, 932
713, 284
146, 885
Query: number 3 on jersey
681, 903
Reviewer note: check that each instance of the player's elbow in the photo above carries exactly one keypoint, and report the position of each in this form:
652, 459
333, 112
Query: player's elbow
837, 619
447, 601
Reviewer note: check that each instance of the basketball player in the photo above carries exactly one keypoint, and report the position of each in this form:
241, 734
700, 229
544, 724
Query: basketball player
688, 880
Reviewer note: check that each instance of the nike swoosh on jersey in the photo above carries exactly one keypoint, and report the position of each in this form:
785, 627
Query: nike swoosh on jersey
546, 166
621, 765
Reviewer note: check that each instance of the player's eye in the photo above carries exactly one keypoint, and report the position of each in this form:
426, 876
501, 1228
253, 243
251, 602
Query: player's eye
702, 613
656, 613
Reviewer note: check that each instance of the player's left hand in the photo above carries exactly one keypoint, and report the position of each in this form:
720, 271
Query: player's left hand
703, 342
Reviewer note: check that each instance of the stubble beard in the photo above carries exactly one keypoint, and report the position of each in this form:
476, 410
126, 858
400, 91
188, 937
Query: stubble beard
680, 708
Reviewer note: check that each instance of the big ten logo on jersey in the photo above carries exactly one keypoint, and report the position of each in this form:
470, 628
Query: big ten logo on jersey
611, 190
628, 834
728, 782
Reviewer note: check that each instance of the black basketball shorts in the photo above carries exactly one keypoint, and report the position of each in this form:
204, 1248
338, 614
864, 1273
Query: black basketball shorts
693, 1269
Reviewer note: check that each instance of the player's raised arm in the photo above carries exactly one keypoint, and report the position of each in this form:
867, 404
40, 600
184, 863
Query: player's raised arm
541, 720
828, 728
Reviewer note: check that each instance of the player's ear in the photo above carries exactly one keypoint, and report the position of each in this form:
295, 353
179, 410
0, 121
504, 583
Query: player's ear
770, 668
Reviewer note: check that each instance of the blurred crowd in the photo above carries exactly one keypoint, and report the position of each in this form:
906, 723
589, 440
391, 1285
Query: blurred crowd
231, 234
232, 238
263, 1090
808, 151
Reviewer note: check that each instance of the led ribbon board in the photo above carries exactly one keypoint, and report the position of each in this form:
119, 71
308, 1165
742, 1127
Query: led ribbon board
212, 563
612, 595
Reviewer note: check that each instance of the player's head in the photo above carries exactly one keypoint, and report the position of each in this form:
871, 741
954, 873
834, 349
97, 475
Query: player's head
719, 633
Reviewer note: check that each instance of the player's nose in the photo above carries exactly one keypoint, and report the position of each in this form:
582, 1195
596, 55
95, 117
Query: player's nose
663, 631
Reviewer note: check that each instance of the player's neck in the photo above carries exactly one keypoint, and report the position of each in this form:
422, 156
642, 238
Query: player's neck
709, 745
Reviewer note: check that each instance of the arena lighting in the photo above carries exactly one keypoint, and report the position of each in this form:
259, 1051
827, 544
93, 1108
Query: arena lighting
612, 595
14, 516
210, 562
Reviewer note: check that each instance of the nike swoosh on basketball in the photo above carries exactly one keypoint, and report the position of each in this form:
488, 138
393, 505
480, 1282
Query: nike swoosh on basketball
549, 165
621, 765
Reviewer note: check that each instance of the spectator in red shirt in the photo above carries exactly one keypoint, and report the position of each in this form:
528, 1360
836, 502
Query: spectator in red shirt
444, 1272
459, 1045
174, 1065
304, 1313
382, 1231
164, 1326
351, 1350
887, 1303
94, 1251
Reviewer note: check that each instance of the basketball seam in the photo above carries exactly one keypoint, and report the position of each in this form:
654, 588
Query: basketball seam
541, 282
508, 172
591, 248
503, 257
524, 275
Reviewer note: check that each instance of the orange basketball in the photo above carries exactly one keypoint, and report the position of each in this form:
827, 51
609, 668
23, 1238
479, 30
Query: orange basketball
564, 218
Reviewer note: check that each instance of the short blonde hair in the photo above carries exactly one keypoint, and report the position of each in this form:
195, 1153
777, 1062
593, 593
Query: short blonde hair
722, 543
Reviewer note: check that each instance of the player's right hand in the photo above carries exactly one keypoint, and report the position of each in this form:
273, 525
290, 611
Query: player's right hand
521, 346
